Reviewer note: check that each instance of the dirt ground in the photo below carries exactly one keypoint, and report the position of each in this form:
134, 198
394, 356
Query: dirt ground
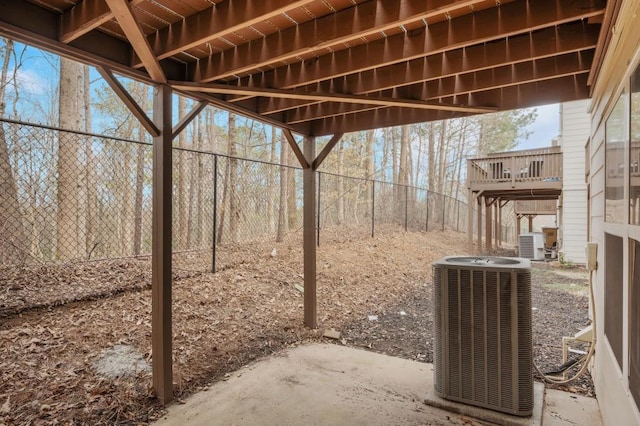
58, 321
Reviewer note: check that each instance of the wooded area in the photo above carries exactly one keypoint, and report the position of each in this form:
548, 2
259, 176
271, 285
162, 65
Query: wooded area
79, 186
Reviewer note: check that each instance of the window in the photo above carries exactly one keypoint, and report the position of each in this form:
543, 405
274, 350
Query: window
634, 154
615, 134
613, 294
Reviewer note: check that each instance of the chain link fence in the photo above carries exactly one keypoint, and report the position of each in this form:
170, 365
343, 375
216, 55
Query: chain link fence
354, 207
69, 196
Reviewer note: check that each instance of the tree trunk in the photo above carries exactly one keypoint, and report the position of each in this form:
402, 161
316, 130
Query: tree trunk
70, 117
341, 193
370, 168
395, 167
90, 171
234, 210
181, 159
403, 171
128, 187
442, 157
283, 223
431, 159
137, 229
418, 181
271, 183
12, 246
292, 205
385, 153
200, 185
193, 185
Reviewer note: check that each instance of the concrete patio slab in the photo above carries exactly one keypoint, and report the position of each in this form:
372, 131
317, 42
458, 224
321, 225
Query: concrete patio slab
491, 416
325, 384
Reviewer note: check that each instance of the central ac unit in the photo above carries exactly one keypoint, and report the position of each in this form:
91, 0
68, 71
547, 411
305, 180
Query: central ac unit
531, 246
482, 341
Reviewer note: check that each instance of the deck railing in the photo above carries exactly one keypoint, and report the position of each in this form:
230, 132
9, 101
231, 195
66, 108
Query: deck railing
536, 165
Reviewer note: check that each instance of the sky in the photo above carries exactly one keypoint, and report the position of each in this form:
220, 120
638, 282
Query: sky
544, 129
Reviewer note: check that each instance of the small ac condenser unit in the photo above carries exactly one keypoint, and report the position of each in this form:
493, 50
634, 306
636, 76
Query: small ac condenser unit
482, 341
531, 246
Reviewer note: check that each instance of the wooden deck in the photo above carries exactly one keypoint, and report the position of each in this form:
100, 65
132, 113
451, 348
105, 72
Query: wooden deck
538, 171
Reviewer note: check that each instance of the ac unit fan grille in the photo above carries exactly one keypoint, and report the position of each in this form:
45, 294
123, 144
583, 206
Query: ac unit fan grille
483, 353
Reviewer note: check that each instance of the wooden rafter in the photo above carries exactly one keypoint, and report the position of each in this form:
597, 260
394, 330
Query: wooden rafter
329, 32
124, 15
84, 17
215, 22
512, 51
328, 97
508, 20
131, 103
537, 93
466, 84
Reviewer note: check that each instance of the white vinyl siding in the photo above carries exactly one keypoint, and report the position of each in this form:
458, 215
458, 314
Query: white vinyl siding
576, 126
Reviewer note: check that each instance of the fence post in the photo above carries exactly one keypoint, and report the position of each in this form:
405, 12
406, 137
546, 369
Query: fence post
444, 209
373, 207
215, 214
426, 227
406, 208
318, 214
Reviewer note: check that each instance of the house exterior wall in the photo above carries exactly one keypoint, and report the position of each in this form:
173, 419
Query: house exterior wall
575, 129
622, 57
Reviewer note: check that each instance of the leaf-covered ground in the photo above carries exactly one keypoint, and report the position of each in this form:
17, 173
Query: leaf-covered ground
57, 321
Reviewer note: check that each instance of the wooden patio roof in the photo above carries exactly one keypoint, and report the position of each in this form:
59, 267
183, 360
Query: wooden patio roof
321, 67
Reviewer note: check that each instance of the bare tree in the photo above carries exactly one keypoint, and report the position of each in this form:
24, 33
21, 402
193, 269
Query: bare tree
283, 222
341, 194
181, 177
199, 182
271, 181
370, 161
140, 160
229, 190
70, 214
12, 249
292, 202
90, 170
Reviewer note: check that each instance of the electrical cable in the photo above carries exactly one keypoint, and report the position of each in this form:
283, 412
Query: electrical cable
587, 357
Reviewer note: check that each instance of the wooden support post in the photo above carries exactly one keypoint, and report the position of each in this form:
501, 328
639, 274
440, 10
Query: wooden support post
161, 334
470, 217
498, 224
479, 230
309, 234
530, 223
518, 223
489, 222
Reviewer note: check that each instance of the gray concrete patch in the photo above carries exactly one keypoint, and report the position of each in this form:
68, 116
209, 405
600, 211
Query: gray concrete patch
489, 415
121, 360
325, 384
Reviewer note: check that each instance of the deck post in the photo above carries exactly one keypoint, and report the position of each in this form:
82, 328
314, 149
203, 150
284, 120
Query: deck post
498, 224
309, 233
479, 220
161, 334
488, 224
518, 223
470, 217
530, 222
